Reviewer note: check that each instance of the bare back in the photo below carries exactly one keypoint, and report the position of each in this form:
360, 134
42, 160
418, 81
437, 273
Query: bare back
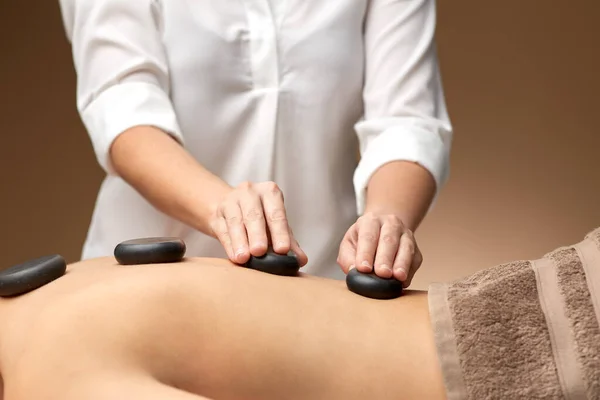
217, 330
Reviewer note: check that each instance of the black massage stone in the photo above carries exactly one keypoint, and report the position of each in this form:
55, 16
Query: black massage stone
274, 263
31, 275
155, 250
373, 286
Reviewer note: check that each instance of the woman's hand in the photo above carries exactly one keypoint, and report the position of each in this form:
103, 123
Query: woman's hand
382, 242
250, 217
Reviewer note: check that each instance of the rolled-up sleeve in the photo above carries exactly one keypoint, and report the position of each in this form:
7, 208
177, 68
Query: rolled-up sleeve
405, 114
122, 72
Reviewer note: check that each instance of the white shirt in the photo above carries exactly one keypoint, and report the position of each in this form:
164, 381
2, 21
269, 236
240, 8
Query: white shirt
261, 90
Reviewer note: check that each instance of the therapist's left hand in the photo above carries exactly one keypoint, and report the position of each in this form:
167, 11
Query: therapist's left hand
381, 242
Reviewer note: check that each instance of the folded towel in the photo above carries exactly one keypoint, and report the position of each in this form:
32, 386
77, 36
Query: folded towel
523, 330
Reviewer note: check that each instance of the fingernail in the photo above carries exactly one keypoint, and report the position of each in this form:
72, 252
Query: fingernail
351, 267
239, 252
401, 271
385, 267
365, 264
259, 246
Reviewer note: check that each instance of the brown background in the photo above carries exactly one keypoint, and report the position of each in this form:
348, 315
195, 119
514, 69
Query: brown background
522, 86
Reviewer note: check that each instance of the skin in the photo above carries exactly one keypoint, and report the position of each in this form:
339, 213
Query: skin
246, 218
382, 240
206, 329
249, 218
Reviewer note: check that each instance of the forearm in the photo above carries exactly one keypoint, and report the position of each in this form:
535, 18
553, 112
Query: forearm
162, 171
401, 188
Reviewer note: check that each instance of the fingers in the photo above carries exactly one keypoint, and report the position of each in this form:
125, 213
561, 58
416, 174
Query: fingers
368, 238
255, 224
404, 257
219, 227
232, 214
276, 218
252, 216
380, 244
408, 260
387, 248
416, 263
347, 254
297, 250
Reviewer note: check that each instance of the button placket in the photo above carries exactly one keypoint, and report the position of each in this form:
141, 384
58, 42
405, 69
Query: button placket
263, 41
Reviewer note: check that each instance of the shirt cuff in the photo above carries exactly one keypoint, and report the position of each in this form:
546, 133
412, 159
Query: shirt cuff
124, 106
402, 142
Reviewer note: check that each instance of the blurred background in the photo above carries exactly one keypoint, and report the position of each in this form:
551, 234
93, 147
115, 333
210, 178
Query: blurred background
522, 81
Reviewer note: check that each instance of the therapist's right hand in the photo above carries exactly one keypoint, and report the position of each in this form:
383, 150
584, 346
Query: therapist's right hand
249, 218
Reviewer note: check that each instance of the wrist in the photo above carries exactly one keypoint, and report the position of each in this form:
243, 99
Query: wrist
403, 189
402, 215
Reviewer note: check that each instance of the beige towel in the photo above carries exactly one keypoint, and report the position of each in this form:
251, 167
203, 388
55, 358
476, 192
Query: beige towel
523, 330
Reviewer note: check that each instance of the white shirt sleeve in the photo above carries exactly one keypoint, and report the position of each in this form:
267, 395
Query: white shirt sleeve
122, 73
405, 112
